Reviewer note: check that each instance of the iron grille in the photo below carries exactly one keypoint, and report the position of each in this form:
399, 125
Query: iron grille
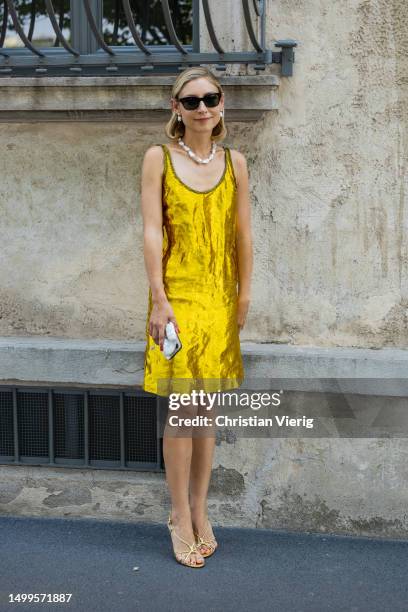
125, 37
95, 428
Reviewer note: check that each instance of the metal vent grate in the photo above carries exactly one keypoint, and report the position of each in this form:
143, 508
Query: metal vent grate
101, 428
140, 429
104, 424
6, 425
69, 426
32, 418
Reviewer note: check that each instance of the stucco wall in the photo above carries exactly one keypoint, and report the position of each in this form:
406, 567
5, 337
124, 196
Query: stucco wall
328, 190
329, 176
71, 230
336, 486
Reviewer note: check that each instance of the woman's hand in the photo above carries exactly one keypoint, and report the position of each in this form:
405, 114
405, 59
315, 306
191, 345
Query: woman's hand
242, 310
161, 314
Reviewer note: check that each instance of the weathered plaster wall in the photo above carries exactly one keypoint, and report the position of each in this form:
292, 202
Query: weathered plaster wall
72, 259
329, 177
321, 485
328, 189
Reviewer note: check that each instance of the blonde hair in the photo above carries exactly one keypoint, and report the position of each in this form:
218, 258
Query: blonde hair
175, 129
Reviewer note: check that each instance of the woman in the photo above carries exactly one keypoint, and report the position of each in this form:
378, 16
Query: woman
198, 191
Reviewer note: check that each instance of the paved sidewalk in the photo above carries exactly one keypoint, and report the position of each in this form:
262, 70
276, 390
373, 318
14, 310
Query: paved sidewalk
253, 569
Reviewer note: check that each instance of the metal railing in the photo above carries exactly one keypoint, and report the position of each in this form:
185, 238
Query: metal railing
125, 37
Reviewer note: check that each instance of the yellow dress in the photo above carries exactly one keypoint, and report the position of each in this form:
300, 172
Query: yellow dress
200, 278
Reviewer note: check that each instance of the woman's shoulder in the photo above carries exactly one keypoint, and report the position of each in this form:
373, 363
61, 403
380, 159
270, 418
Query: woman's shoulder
153, 162
239, 162
154, 157
237, 156
155, 151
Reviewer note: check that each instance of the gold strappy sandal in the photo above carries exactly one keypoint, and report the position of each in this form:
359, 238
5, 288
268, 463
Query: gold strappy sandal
210, 543
182, 557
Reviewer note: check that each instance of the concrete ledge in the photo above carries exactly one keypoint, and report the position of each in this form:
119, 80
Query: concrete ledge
135, 98
112, 362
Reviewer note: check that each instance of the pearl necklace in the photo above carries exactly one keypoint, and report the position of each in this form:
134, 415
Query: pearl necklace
194, 156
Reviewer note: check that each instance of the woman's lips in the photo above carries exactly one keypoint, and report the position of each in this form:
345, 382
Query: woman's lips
203, 119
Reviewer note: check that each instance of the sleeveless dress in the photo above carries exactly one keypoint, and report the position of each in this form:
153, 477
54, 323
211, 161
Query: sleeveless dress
200, 276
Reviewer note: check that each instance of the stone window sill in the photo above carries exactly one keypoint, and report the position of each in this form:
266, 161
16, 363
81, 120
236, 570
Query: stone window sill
138, 98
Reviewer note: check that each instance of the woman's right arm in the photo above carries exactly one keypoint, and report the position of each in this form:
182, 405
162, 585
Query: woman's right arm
151, 202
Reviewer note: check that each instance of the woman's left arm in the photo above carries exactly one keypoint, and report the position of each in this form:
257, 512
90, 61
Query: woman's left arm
243, 238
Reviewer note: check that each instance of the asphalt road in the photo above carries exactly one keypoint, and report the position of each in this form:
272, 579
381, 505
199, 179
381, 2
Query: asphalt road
252, 570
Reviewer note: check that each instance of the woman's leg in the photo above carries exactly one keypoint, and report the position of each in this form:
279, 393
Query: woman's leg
203, 445
177, 453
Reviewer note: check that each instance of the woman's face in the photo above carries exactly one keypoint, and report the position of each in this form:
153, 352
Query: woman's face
202, 119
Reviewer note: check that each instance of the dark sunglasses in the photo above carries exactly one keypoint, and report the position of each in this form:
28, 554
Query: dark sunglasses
193, 102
